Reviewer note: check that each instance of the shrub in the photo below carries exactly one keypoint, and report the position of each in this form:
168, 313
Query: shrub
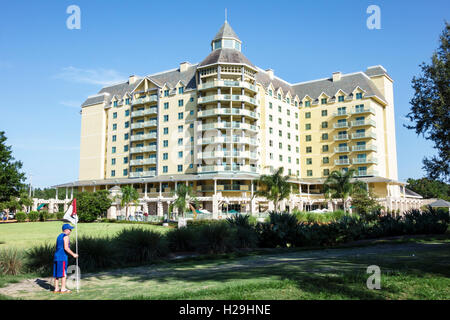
43, 216
11, 262
59, 215
215, 238
21, 216
33, 216
281, 230
96, 253
40, 259
244, 231
140, 245
181, 239
201, 222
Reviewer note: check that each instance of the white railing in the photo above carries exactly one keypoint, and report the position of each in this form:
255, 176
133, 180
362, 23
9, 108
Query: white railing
366, 122
341, 162
139, 125
228, 111
141, 174
152, 98
227, 83
139, 162
363, 110
137, 137
364, 148
228, 97
363, 135
341, 137
143, 149
226, 168
341, 149
363, 161
340, 125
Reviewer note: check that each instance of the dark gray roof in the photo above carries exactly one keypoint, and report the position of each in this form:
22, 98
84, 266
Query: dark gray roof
226, 32
347, 83
264, 78
227, 56
376, 71
440, 204
94, 100
172, 77
411, 193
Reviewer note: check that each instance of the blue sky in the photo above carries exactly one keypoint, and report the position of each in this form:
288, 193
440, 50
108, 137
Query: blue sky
47, 70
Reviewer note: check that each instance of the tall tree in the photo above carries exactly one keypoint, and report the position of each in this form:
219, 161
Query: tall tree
430, 113
11, 179
129, 195
275, 187
428, 188
339, 185
185, 199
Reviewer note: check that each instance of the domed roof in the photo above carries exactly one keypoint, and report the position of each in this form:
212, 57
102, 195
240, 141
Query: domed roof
226, 32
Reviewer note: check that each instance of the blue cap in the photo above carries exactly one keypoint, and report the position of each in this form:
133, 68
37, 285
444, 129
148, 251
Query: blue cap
67, 226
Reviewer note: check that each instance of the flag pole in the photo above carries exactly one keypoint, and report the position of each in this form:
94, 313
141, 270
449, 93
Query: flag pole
76, 251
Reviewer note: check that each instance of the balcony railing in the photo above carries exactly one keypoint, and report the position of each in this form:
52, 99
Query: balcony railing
145, 112
224, 187
364, 148
141, 174
226, 168
340, 125
366, 173
226, 83
228, 111
225, 139
143, 149
146, 124
340, 113
341, 149
341, 162
363, 110
228, 154
364, 135
363, 160
366, 122
228, 125
138, 137
139, 162
152, 98
228, 97
340, 137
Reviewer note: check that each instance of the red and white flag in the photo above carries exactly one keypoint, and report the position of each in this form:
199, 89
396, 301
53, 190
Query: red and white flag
71, 213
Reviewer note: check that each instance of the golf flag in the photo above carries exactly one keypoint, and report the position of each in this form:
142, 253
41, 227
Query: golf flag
71, 213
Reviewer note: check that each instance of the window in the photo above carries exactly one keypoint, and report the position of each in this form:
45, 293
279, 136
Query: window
127, 113
324, 124
307, 103
297, 161
166, 105
359, 95
279, 96
180, 90
289, 135
180, 168
127, 101
324, 136
125, 172
325, 160
125, 148
296, 126
270, 130
191, 112
308, 161
308, 137
191, 99
280, 145
191, 166
115, 103
126, 136
113, 173
270, 105
270, 117
324, 113
280, 157
309, 173
166, 130
289, 147
114, 138
180, 115
280, 133
180, 128
114, 126
127, 124
297, 149
113, 149
180, 141
165, 156
289, 124
279, 108
296, 138
270, 92
165, 143
341, 99
289, 160
308, 126
166, 118
166, 93
296, 115
165, 169
191, 125
307, 115
308, 149
180, 103
326, 172
180, 154
125, 160
325, 148
271, 156
280, 121
113, 161
115, 115
270, 143
323, 101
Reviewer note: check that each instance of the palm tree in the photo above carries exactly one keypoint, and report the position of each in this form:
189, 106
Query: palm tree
185, 199
129, 195
275, 187
339, 186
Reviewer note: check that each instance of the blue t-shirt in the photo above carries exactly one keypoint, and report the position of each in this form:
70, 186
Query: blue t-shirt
60, 254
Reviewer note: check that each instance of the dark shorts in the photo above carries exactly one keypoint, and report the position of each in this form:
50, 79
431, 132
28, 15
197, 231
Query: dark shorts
59, 269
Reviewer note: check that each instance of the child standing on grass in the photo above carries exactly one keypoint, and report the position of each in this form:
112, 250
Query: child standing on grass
60, 259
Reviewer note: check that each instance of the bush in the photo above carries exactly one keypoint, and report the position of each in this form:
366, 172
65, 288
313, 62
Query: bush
215, 238
11, 262
96, 253
138, 245
33, 216
59, 215
181, 239
244, 231
201, 222
43, 216
281, 230
40, 259
21, 216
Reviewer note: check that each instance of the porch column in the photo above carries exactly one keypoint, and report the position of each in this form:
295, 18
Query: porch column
215, 187
252, 188
71, 194
56, 197
67, 191
145, 188
215, 207
160, 189
160, 208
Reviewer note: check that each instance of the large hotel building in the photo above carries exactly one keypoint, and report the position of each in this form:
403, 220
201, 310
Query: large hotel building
219, 124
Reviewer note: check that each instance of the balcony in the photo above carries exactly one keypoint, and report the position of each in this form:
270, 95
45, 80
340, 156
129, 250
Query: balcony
140, 113
228, 97
227, 169
138, 137
146, 124
341, 149
148, 99
342, 162
340, 125
364, 135
229, 154
364, 161
228, 111
141, 174
361, 123
225, 139
366, 173
223, 187
227, 125
364, 148
340, 113
140, 162
143, 149
363, 110
341, 137
227, 83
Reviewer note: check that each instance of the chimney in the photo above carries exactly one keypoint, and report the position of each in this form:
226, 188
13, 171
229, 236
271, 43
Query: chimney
270, 73
336, 76
132, 79
184, 66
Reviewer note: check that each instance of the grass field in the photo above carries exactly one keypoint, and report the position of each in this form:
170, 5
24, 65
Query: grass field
28, 234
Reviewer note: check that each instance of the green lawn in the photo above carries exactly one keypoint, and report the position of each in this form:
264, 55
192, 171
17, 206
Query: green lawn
418, 270
28, 234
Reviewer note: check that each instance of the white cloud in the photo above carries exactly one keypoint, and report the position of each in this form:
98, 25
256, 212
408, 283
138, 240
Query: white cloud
91, 76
